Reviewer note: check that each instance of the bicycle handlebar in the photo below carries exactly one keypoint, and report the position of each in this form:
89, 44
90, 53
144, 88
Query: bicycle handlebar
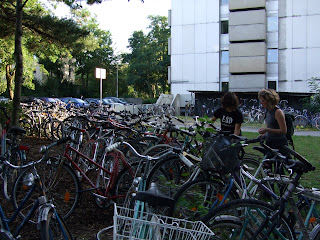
118, 144
43, 150
300, 158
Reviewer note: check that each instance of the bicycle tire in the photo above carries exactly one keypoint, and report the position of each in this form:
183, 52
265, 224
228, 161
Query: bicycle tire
260, 117
157, 150
304, 207
63, 189
246, 117
124, 182
54, 227
93, 149
316, 123
169, 174
249, 213
51, 128
106, 181
11, 174
315, 233
194, 199
27, 123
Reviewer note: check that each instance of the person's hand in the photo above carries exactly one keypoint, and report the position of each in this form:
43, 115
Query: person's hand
262, 130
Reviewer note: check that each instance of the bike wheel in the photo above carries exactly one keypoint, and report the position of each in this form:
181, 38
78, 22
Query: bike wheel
54, 228
300, 121
194, 199
10, 174
60, 184
169, 175
93, 149
51, 128
27, 123
315, 233
157, 150
304, 206
246, 117
260, 117
124, 182
106, 180
316, 123
242, 218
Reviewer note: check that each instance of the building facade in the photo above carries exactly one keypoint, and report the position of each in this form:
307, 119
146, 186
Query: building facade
243, 45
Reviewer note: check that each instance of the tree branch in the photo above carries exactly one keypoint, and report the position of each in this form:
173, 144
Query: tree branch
24, 3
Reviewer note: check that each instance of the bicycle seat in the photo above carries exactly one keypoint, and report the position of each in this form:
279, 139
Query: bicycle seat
154, 197
17, 130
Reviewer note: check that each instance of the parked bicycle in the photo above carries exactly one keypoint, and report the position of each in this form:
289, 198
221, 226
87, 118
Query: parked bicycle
50, 223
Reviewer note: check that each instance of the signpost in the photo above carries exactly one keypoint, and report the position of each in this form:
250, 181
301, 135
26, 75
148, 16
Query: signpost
102, 74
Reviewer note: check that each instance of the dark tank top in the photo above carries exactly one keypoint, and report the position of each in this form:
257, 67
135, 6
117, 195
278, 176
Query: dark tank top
273, 123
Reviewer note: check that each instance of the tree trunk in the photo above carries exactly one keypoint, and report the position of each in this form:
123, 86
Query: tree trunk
9, 77
19, 65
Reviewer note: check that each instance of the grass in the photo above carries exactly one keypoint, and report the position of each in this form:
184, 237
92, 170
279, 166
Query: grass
307, 146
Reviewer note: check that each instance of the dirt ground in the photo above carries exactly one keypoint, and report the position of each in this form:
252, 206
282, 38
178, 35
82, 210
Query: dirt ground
84, 223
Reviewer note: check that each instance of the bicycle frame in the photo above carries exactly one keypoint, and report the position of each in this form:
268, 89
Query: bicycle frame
41, 203
113, 173
6, 221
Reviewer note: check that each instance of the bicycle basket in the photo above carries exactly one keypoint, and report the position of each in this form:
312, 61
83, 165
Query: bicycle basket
220, 155
130, 224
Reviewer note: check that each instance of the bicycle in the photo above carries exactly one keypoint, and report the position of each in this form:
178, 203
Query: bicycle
304, 119
51, 225
108, 180
13, 152
171, 174
254, 219
189, 109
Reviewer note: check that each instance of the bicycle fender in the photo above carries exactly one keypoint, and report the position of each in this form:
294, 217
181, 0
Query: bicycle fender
44, 212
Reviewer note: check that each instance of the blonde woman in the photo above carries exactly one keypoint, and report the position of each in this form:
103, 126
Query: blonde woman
275, 132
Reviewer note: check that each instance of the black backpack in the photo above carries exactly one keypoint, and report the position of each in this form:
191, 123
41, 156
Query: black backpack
289, 118
290, 127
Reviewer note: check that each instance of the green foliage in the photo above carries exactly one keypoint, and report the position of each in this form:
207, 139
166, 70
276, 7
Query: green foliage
149, 58
313, 103
3, 118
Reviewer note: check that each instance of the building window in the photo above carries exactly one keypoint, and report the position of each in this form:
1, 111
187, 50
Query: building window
272, 24
224, 27
225, 86
224, 2
224, 57
272, 85
272, 55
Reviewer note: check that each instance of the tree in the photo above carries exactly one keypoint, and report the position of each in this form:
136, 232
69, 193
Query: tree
149, 60
40, 25
313, 103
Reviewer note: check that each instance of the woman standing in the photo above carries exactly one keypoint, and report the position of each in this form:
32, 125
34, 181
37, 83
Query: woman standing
275, 132
229, 114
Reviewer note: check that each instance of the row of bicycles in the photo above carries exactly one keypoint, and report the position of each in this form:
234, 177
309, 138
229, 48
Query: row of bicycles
164, 181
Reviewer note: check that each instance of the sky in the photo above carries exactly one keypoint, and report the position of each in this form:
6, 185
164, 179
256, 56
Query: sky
122, 18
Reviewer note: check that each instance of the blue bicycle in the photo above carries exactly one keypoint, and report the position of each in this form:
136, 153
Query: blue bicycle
50, 223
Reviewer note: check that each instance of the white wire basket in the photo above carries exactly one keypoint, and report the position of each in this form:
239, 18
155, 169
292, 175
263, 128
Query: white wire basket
128, 224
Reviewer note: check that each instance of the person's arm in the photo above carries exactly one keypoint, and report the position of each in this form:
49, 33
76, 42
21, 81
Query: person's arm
213, 119
237, 128
279, 116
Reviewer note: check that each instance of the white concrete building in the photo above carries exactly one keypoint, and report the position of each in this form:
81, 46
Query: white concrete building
243, 45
